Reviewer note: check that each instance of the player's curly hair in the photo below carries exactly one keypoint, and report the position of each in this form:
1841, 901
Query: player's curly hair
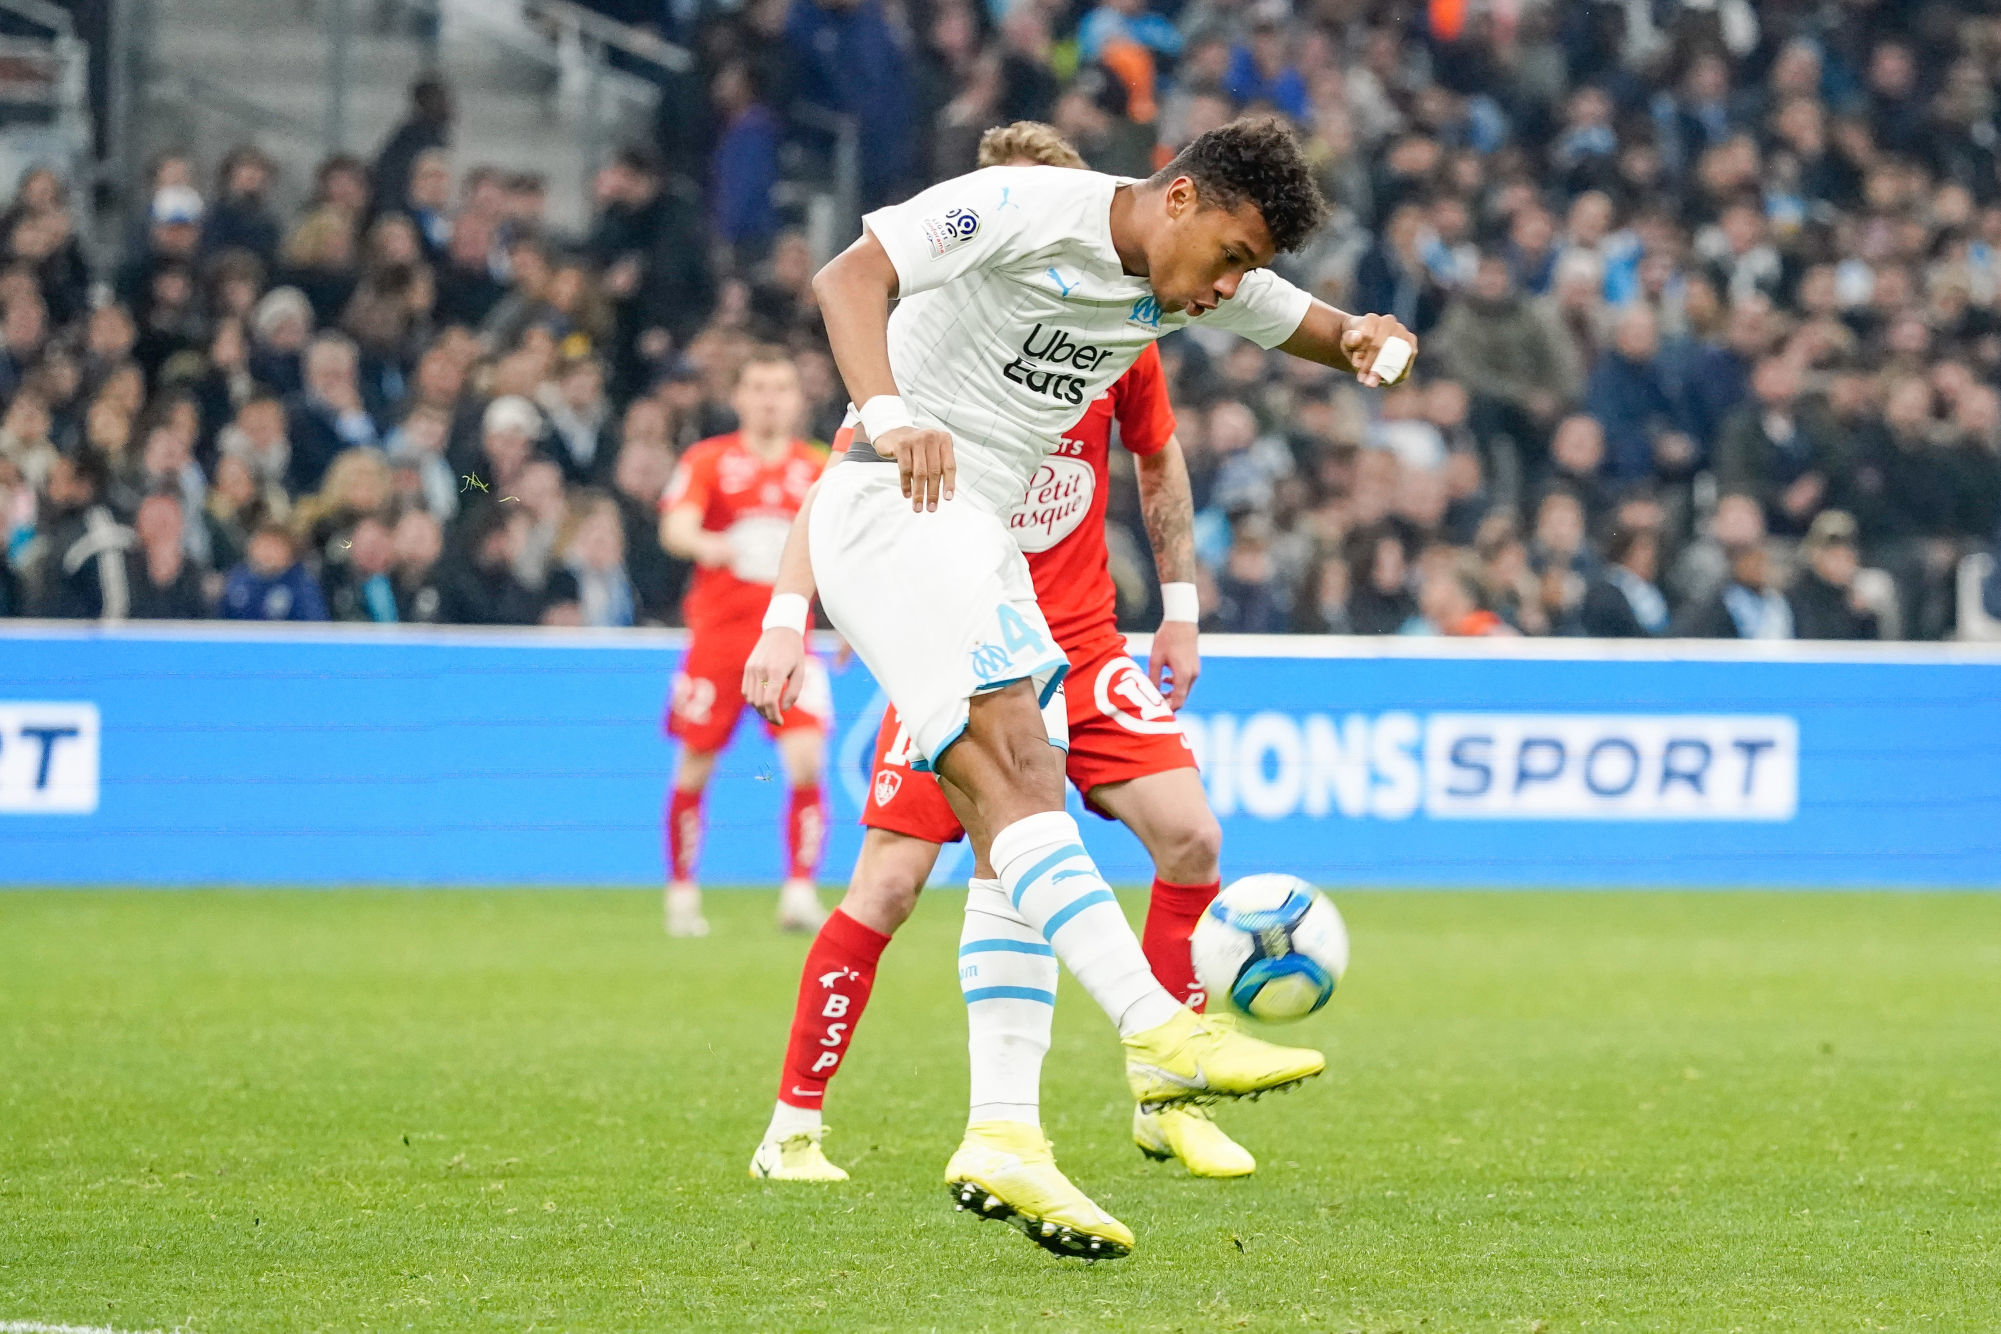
1255, 160
1029, 140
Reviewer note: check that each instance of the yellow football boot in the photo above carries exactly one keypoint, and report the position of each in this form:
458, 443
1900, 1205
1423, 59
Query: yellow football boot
1005, 1170
1193, 1059
1189, 1134
794, 1158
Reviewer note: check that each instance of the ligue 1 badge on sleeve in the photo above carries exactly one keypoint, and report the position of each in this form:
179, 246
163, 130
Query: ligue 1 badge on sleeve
947, 233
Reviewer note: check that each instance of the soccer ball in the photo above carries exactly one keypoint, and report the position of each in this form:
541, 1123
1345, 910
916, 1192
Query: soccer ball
1270, 946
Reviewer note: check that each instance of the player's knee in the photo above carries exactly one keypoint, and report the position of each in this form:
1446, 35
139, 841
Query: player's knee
1033, 765
880, 899
1191, 851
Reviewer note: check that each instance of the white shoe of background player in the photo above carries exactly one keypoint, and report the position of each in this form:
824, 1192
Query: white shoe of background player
684, 910
799, 906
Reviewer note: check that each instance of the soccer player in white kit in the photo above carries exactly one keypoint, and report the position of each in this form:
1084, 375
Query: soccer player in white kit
1023, 293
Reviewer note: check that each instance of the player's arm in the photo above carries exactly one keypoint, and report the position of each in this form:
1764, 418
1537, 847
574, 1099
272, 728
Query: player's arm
1350, 342
775, 671
682, 534
854, 291
1167, 505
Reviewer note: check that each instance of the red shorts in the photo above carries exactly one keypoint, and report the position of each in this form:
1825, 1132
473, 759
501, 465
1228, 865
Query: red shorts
1120, 729
708, 692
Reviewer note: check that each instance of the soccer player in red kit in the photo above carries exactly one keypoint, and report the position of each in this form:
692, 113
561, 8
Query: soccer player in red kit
1127, 755
728, 509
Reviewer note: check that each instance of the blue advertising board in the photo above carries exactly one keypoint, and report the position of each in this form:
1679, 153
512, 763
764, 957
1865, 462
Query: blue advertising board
322, 756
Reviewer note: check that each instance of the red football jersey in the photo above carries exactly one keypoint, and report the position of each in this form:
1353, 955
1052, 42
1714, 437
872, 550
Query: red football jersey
753, 503
1060, 526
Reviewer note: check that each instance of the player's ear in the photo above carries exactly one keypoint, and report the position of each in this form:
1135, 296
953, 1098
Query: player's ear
1181, 198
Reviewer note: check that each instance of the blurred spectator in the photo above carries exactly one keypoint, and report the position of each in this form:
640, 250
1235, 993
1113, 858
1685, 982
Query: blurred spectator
579, 421
1510, 351
272, 583
163, 583
1379, 599
1623, 601
328, 416
1825, 603
1780, 448
478, 586
745, 169
1747, 606
591, 564
1448, 602
426, 126
242, 218
417, 543
1249, 599
82, 546
1627, 393
359, 586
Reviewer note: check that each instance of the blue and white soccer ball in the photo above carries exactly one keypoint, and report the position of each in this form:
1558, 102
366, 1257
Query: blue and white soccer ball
1270, 946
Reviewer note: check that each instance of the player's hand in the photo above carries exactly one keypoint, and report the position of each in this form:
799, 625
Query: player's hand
1362, 341
713, 551
775, 673
1173, 663
924, 460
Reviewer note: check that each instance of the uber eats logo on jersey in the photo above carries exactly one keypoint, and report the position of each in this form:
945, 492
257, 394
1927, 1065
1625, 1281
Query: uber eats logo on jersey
1047, 358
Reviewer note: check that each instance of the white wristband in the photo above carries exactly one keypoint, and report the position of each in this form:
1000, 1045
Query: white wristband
786, 612
882, 414
1180, 602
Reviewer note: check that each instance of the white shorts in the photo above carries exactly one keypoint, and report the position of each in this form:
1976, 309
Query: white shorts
938, 605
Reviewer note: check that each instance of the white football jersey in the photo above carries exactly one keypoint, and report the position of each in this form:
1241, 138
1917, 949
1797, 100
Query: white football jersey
1015, 314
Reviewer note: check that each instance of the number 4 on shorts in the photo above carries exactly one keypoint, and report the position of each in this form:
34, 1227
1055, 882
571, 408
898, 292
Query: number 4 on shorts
1016, 633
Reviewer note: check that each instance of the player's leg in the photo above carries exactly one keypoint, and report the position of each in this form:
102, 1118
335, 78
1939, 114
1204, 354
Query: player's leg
683, 825
1169, 812
834, 990
702, 714
802, 752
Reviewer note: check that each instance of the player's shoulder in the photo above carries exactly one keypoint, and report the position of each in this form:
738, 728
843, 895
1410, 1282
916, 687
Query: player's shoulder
1035, 199
709, 449
713, 444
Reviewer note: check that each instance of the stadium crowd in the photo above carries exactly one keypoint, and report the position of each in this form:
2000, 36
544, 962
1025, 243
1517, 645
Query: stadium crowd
1708, 295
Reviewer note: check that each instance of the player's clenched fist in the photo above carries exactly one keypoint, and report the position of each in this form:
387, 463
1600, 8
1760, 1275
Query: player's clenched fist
925, 462
1365, 341
775, 673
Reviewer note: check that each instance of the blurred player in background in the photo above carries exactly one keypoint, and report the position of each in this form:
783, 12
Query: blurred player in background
1127, 755
728, 509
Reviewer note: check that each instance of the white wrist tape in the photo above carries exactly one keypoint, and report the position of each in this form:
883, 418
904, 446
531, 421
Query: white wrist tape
1180, 602
786, 612
882, 414
1393, 360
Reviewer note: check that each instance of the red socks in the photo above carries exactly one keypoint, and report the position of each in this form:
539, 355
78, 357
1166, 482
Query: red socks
805, 833
1170, 919
834, 989
684, 833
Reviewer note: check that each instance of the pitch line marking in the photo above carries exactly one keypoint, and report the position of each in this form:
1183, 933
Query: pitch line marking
38, 1327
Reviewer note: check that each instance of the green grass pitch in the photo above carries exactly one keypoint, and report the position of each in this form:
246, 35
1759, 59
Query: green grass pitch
236, 1111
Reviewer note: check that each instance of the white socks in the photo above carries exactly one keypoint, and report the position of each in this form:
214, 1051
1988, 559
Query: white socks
1053, 884
1008, 976
787, 1121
